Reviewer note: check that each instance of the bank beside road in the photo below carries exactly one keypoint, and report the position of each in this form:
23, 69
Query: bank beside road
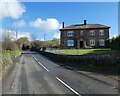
8, 58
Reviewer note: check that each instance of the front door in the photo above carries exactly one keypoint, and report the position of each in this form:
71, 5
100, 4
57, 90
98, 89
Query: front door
81, 44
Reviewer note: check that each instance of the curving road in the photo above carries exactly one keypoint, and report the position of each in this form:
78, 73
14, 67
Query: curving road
36, 74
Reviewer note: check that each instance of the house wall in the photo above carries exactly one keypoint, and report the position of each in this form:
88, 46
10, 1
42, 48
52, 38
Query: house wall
86, 37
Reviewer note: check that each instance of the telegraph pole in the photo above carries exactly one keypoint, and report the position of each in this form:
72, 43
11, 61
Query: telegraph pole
44, 36
16, 35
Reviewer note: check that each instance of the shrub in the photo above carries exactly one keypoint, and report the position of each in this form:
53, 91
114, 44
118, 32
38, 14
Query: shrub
115, 43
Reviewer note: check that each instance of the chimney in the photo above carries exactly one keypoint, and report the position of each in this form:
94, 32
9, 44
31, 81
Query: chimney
63, 25
85, 22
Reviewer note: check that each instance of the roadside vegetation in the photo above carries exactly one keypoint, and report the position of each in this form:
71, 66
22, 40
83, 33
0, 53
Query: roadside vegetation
99, 59
9, 52
8, 59
82, 51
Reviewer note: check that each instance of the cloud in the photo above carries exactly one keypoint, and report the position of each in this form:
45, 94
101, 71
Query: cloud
11, 8
49, 25
56, 35
19, 24
114, 35
41, 39
24, 34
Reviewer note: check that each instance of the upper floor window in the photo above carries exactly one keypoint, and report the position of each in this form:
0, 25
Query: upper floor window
81, 33
101, 42
101, 32
70, 33
92, 42
70, 42
92, 33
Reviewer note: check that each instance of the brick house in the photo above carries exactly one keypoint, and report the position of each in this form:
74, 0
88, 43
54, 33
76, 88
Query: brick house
84, 35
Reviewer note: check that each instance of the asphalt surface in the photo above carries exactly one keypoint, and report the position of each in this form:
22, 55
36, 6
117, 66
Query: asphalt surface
36, 74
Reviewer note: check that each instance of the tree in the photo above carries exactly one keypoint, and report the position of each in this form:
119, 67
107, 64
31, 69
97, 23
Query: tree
36, 45
21, 42
115, 43
7, 44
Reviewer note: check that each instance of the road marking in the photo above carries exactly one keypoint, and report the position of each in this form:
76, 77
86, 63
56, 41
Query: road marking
35, 58
43, 66
68, 86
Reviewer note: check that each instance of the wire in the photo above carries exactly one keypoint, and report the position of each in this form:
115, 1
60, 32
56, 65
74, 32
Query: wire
9, 14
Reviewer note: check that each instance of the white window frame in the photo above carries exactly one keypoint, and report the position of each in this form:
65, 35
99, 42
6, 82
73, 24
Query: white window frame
70, 33
102, 42
92, 42
70, 42
92, 32
101, 32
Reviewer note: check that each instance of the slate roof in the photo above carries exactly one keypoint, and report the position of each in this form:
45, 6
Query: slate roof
87, 26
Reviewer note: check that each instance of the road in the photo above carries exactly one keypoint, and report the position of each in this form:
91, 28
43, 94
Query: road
36, 74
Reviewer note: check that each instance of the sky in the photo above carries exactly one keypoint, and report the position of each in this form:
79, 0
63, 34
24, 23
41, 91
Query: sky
39, 18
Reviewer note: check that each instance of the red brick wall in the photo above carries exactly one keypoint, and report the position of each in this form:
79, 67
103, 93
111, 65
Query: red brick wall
86, 36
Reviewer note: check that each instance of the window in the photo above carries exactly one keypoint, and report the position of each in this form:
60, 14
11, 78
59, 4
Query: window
70, 33
70, 42
92, 33
101, 42
81, 33
92, 42
101, 32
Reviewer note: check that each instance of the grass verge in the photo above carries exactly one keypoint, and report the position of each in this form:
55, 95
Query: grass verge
7, 59
82, 51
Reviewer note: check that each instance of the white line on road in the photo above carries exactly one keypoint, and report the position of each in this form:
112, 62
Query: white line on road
43, 66
35, 58
68, 86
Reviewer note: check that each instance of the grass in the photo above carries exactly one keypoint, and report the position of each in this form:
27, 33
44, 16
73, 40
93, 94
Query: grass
6, 59
81, 51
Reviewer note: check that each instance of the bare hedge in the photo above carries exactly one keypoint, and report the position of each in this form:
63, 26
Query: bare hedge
110, 59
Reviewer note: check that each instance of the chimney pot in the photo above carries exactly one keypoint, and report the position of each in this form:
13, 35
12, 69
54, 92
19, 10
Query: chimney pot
85, 22
63, 25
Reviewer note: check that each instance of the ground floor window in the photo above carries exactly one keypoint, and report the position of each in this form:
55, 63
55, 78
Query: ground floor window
92, 42
70, 42
101, 42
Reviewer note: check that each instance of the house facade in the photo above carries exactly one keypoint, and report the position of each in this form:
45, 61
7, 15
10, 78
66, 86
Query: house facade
84, 35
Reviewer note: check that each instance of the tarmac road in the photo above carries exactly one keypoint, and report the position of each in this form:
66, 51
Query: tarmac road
36, 74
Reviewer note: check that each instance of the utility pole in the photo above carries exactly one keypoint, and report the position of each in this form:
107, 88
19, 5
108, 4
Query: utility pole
44, 42
44, 36
16, 35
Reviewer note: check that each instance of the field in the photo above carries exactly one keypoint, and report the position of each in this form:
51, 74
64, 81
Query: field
80, 51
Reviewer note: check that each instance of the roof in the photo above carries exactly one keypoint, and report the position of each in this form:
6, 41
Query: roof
87, 26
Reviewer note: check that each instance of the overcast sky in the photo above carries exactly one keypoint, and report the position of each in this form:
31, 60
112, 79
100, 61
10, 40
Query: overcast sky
41, 18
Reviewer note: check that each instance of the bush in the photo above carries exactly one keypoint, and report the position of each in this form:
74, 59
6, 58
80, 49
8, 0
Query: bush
115, 43
94, 60
9, 45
